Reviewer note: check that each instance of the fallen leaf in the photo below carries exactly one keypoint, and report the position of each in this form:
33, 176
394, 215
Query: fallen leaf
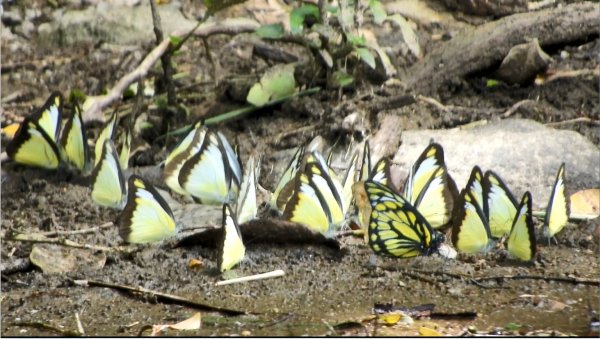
59, 259
192, 323
390, 318
195, 263
428, 332
586, 202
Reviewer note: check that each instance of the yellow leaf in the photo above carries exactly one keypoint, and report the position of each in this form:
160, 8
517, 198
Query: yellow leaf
428, 332
586, 202
391, 318
195, 263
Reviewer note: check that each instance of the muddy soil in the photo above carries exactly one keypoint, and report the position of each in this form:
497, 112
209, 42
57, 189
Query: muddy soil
324, 285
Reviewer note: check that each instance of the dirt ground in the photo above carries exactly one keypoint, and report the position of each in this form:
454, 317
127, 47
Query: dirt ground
326, 290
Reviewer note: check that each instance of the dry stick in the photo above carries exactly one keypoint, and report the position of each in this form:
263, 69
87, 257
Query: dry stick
166, 57
41, 239
168, 298
575, 120
37, 324
82, 231
79, 325
267, 275
231, 26
516, 106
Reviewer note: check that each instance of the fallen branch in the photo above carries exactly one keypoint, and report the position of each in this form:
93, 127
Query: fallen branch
81, 231
40, 325
231, 26
485, 46
165, 297
41, 239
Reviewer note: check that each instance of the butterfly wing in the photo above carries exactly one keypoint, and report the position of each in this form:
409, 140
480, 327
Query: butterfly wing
500, 205
430, 188
396, 228
125, 150
73, 141
147, 217
246, 208
381, 172
285, 186
348, 182
108, 132
366, 166
232, 249
49, 117
521, 243
108, 184
206, 176
32, 146
307, 206
187, 147
470, 230
558, 210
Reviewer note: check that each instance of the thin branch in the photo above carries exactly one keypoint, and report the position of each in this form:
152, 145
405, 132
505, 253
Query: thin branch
41, 239
167, 298
575, 120
43, 326
81, 231
166, 57
231, 26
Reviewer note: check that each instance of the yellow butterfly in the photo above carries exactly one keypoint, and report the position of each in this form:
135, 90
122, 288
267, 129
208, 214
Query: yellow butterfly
213, 174
246, 208
74, 144
108, 132
231, 249
365, 166
285, 186
187, 147
430, 188
316, 201
147, 217
34, 143
521, 243
470, 229
395, 227
500, 206
558, 210
108, 184
125, 150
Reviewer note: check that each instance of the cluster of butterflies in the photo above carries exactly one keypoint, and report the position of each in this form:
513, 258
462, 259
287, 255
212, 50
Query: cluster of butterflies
203, 165
485, 211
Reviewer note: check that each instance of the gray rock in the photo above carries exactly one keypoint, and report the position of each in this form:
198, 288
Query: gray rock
127, 25
526, 154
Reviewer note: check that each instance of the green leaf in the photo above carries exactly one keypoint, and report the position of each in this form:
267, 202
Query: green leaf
273, 31
175, 40
276, 83
213, 6
366, 56
379, 13
492, 83
513, 326
299, 15
342, 79
356, 40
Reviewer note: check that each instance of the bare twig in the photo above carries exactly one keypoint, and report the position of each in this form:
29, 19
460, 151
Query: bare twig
230, 26
166, 57
575, 120
79, 325
272, 274
165, 297
516, 106
40, 325
82, 231
41, 239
